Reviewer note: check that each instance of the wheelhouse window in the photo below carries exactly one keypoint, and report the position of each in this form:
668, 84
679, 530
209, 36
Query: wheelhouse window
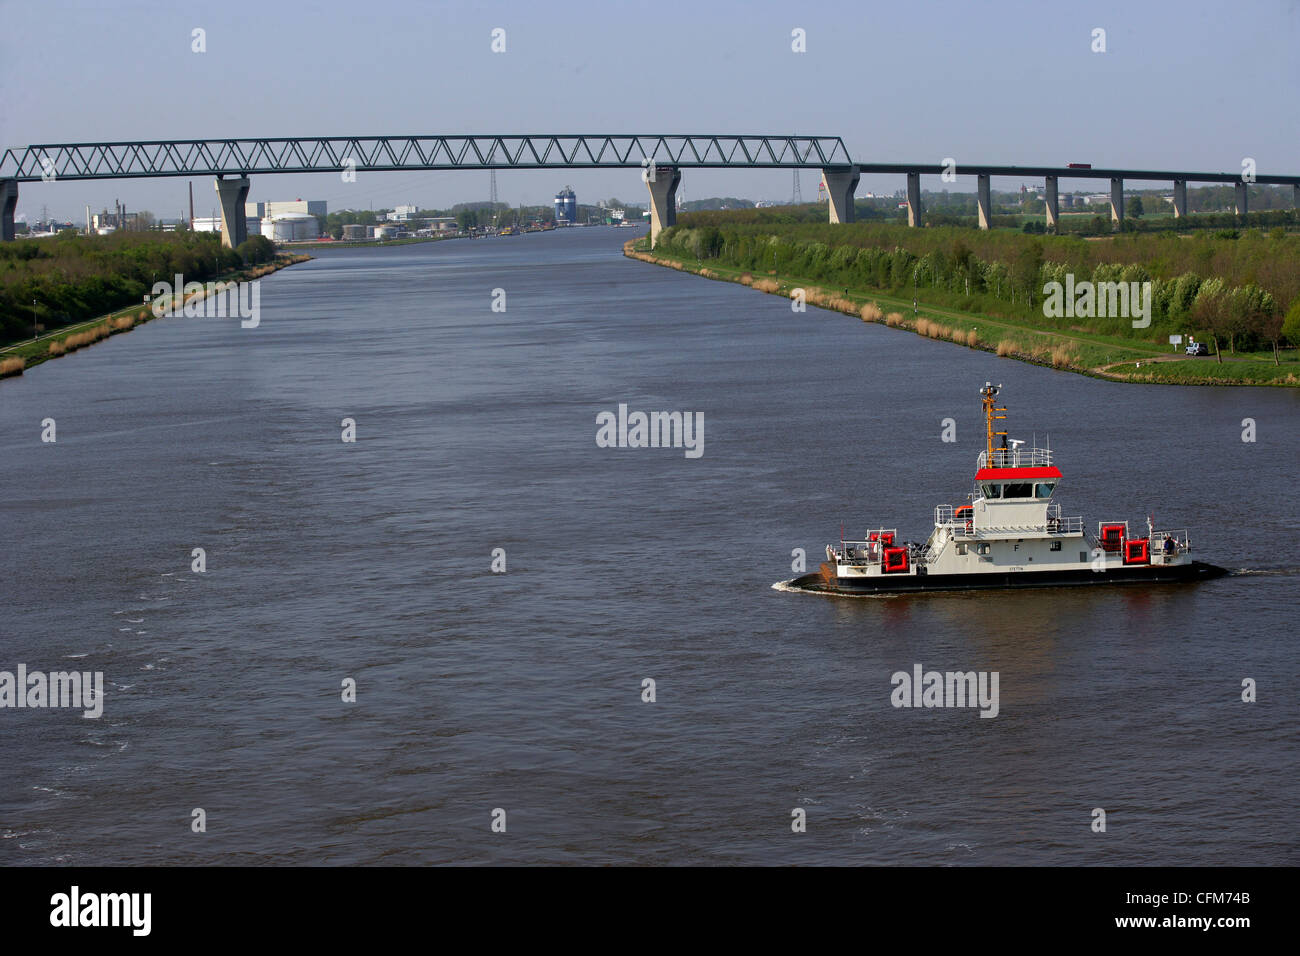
1044, 489
1018, 490
991, 489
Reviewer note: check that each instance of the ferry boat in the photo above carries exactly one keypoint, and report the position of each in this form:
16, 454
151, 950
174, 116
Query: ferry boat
1011, 534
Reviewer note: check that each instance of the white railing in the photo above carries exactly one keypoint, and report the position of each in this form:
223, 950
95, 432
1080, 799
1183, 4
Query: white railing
859, 553
1072, 524
945, 516
1017, 458
1180, 541
863, 553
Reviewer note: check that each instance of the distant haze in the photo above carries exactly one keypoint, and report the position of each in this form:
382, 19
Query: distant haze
1182, 85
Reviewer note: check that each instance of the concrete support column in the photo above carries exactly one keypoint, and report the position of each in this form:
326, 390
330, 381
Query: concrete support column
913, 199
232, 194
1117, 201
8, 203
1180, 198
1240, 209
662, 183
841, 184
1052, 203
982, 200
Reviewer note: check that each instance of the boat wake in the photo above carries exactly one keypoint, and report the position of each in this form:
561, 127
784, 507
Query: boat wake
790, 587
794, 587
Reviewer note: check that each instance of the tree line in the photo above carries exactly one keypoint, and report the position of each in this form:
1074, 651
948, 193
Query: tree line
1243, 292
71, 278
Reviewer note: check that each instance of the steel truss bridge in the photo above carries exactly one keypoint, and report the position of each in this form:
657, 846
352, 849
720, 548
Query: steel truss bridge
662, 156
243, 157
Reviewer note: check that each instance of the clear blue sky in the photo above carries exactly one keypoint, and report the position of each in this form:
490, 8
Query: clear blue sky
1183, 84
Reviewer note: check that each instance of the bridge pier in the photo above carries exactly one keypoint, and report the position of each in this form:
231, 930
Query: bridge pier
1117, 201
1240, 206
841, 184
913, 199
232, 194
1180, 198
982, 200
663, 199
8, 203
1052, 202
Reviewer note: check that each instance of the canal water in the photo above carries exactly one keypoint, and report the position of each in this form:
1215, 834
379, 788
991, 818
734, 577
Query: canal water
523, 692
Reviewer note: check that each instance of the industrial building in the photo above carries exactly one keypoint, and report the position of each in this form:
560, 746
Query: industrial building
290, 226
566, 207
107, 222
262, 210
256, 215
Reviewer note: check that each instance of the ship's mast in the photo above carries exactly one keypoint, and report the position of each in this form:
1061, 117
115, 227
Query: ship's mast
989, 393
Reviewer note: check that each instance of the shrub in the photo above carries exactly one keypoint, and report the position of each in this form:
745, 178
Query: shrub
1061, 357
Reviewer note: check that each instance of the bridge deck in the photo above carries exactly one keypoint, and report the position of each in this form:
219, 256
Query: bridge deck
242, 157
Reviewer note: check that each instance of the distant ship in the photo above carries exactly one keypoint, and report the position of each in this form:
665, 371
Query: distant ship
1010, 535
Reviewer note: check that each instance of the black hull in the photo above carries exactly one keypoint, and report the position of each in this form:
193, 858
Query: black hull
828, 583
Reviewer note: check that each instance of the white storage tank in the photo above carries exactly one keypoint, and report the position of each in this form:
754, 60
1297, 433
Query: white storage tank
386, 232
291, 227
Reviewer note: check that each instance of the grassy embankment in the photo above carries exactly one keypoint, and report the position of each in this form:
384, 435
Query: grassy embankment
1087, 353
14, 359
